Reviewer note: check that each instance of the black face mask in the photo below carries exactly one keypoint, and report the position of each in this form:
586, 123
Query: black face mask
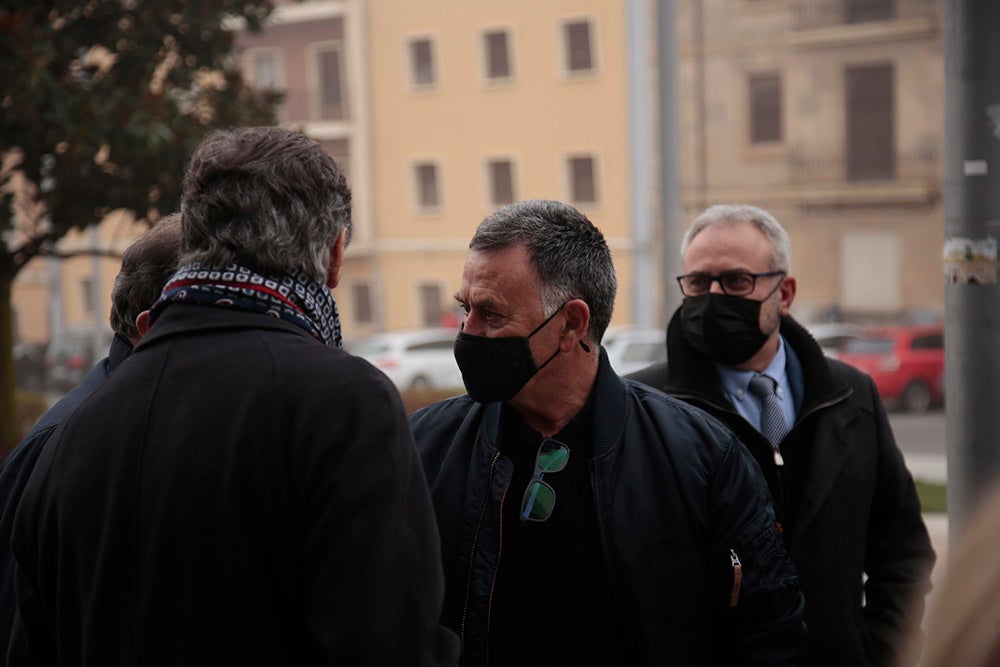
722, 327
495, 369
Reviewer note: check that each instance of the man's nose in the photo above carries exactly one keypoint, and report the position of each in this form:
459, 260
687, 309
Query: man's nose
472, 324
716, 287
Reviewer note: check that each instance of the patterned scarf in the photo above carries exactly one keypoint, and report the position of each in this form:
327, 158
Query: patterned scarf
297, 298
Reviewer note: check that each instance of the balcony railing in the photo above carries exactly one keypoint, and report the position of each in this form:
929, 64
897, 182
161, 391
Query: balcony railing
811, 166
811, 14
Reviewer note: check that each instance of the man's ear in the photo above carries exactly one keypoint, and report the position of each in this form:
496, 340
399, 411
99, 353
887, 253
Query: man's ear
142, 323
336, 260
787, 291
577, 322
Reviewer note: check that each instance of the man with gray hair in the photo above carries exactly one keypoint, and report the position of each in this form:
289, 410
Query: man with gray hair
241, 491
586, 519
146, 265
847, 506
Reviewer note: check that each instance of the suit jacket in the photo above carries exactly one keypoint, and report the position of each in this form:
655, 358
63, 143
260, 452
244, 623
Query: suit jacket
235, 493
847, 504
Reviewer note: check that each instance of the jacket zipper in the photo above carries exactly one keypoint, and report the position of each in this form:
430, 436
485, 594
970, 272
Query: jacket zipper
597, 511
472, 552
489, 601
734, 593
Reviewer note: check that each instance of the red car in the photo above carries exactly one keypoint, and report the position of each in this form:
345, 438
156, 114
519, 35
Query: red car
907, 364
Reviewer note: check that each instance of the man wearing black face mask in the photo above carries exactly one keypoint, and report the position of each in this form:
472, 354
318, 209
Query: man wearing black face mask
585, 519
847, 506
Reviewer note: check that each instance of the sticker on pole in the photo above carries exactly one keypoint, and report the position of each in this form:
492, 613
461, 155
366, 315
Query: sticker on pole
970, 261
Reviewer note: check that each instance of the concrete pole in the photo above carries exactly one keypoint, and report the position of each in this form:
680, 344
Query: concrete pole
641, 165
670, 196
972, 226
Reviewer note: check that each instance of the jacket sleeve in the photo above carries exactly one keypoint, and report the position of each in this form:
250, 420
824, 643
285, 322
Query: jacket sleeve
370, 535
898, 555
759, 603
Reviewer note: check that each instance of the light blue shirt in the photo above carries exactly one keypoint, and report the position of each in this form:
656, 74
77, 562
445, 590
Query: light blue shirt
735, 385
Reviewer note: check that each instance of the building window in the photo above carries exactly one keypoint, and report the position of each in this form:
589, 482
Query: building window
582, 180
422, 62
332, 98
861, 11
497, 52
765, 108
87, 296
579, 48
264, 70
871, 127
431, 308
361, 301
426, 183
501, 182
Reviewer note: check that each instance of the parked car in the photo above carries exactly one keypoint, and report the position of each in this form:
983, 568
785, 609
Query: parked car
906, 362
833, 337
414, 359
70, 356
630, 350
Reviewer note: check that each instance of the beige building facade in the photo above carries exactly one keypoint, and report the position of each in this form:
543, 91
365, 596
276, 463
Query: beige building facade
829, 113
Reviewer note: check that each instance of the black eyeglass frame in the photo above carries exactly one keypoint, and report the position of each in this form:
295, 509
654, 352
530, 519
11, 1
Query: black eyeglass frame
721, 277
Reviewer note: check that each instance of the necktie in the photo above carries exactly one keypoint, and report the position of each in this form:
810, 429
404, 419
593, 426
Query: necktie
772, 419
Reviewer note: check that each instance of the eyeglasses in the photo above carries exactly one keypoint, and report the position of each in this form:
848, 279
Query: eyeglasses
734, 283
539, 497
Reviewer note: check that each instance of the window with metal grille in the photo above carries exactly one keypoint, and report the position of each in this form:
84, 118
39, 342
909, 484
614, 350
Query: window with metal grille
430, 304
871, 125
501, 177
422, 62
331, 84
582, 180
361, 300
579, 50
765, 107
495, 47
426, 176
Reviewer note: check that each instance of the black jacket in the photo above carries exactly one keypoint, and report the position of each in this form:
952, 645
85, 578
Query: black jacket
18, 466
235, 493
674, 493
845, 498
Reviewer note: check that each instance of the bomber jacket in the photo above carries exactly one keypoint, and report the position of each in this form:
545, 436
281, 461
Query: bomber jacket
678, 501
848, 505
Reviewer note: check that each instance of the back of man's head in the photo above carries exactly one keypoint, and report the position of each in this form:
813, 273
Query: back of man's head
267, 198
146, 266
569, 254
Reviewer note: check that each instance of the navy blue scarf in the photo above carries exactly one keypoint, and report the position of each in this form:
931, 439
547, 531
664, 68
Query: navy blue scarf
297, 298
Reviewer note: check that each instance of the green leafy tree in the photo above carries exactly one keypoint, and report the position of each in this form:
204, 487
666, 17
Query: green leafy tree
102, 103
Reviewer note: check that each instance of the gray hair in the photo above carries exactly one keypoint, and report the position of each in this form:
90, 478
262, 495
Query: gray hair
147, 264
567, 251
265, 197
727, 214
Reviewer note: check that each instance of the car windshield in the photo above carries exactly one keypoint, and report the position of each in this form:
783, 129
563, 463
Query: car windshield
869, 346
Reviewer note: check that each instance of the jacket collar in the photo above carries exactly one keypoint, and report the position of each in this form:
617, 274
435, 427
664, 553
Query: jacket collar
690, 375
608, 419
178, 318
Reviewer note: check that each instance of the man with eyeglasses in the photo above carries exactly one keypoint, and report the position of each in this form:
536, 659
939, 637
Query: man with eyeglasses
585, 519
846, 504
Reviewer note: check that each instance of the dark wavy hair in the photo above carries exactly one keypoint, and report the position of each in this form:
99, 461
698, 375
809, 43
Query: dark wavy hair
147, 264
266, 197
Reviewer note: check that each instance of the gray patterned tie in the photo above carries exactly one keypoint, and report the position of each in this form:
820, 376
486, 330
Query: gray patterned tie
772, 419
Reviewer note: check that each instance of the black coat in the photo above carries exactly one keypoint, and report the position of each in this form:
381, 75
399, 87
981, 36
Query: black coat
236, 493
848, 504
674, 492
18, 466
